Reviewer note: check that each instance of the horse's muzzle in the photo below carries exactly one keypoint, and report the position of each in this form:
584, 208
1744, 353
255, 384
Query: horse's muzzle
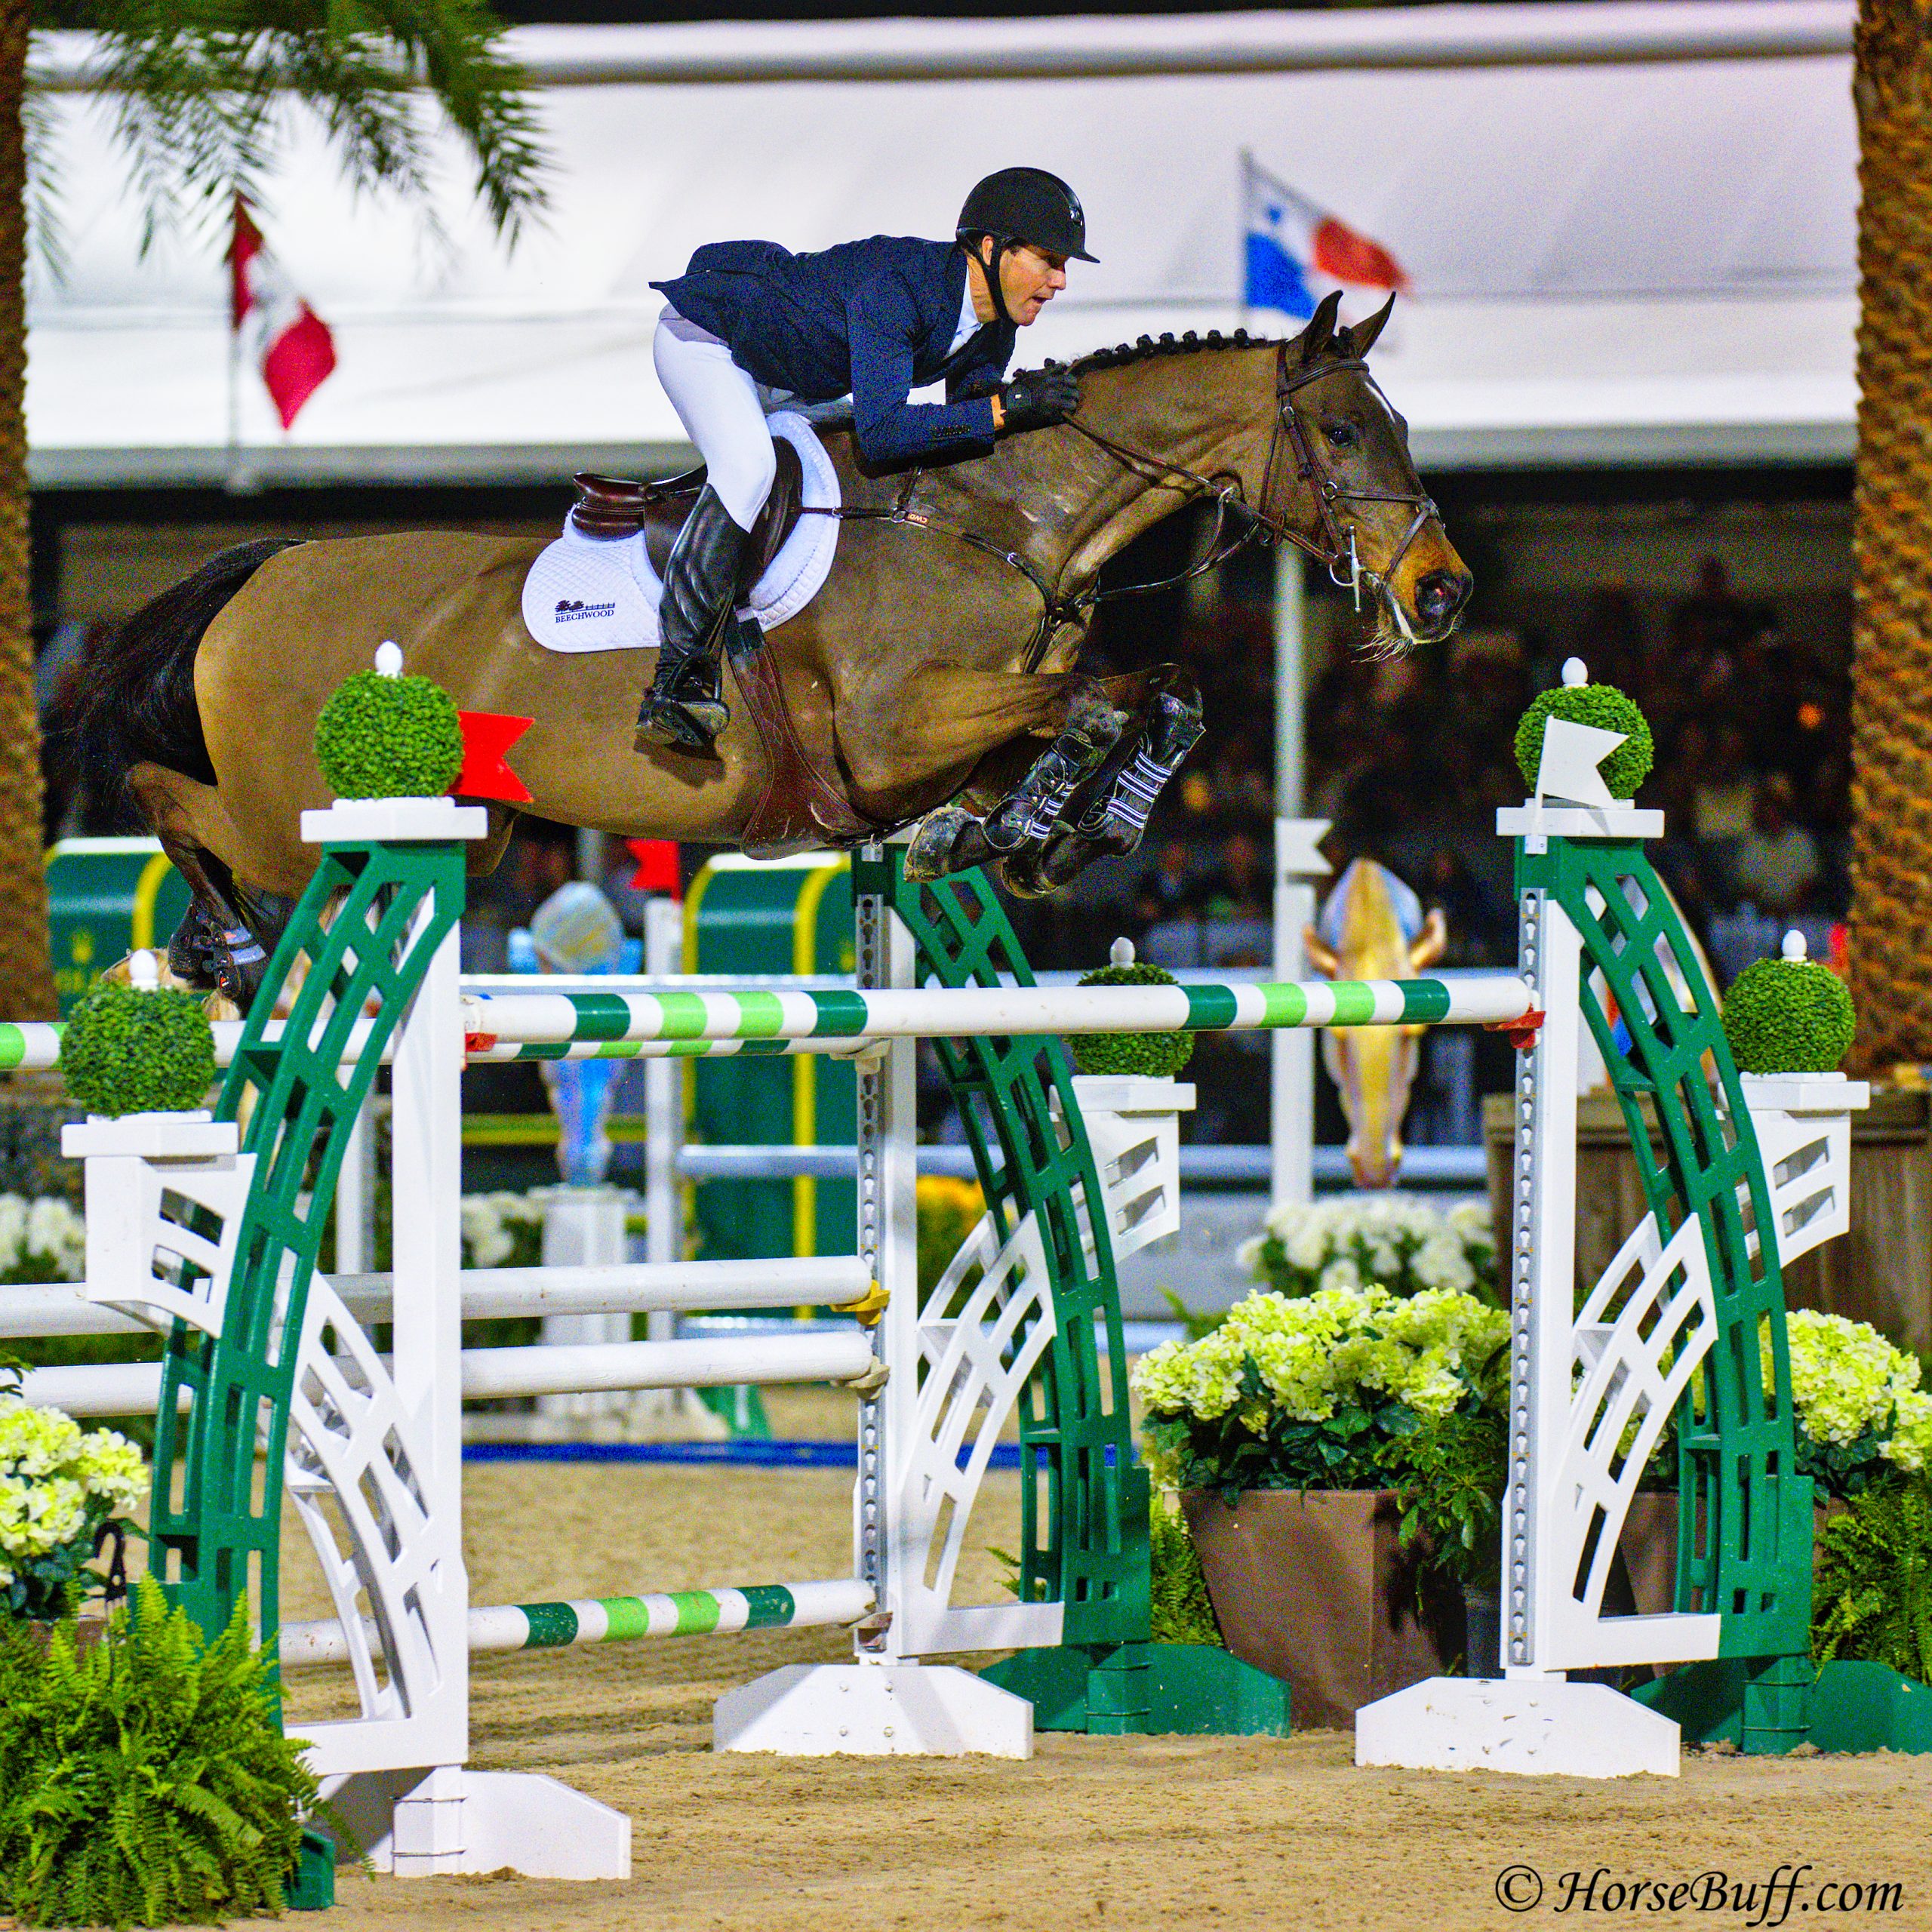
1440, 597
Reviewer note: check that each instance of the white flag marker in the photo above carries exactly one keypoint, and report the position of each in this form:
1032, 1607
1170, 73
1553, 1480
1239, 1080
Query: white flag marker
1572, 754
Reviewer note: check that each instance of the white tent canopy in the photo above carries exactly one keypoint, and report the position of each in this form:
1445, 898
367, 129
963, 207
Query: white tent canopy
1631, 228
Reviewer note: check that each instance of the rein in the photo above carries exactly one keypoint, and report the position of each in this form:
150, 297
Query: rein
1342, 562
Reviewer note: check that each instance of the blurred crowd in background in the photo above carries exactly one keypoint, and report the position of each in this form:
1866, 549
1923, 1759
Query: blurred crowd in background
1410, 757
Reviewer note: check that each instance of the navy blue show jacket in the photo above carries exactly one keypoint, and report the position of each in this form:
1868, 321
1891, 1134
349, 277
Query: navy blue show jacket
871, 319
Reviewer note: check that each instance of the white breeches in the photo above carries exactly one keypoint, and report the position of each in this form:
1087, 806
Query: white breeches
720, 406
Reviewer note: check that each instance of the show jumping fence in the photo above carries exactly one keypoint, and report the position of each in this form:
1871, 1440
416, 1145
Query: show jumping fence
210, 1230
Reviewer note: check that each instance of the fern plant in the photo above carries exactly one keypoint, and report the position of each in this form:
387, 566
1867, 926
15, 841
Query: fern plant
145, 1782
1449, 1478
1873, 1599
1183, 1612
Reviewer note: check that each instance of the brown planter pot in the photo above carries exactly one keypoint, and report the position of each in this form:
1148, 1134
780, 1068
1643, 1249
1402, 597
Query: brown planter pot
1314, 1586
88, 1631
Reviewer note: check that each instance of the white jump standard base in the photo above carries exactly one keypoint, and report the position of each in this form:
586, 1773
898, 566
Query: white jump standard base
455, 1819
873, 1710
1544, 1726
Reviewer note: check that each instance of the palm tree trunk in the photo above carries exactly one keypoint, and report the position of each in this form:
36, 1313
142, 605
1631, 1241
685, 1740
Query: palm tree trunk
26, 975
1891, 949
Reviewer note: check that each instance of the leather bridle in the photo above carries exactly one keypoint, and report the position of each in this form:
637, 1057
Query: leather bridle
1334, 547
1329, 493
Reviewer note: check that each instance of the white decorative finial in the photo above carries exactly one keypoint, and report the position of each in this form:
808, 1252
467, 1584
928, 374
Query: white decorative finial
1794, 944
1575, 672
1121, 952
389, 660
143, 973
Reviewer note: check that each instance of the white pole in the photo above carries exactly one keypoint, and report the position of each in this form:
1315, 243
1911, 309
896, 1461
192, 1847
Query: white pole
1540, 1238
888, 1218
1290, 679
819, 1354
1291, 1112
356, 1195
1298, 862
426, 1178
583, 1229
664, 1107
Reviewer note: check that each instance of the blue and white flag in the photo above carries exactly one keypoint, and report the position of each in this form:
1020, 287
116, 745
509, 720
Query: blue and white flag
1297, 252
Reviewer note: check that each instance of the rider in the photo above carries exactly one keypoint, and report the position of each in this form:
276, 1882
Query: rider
749, 327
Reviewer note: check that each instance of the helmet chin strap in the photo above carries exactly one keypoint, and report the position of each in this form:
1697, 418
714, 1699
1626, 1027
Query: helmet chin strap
991, 271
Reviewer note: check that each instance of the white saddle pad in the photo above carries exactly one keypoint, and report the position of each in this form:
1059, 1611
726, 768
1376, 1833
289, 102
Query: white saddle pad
600, 593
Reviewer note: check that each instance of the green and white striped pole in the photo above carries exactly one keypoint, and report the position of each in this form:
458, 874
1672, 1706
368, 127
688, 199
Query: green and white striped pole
549, 1626
544, 1020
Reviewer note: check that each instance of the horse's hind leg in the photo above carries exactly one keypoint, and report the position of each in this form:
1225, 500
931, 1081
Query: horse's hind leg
951, 838
224, 939
1108, 815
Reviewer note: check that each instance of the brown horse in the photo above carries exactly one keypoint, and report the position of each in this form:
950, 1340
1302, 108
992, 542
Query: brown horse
916, 688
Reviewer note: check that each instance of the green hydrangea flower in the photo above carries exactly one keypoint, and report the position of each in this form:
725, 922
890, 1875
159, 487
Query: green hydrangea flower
1789, 1016
1608, 709
1159, 1055
382, 738
127, 1051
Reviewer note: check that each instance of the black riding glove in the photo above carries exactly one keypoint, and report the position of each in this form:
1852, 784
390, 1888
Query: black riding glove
1039, 399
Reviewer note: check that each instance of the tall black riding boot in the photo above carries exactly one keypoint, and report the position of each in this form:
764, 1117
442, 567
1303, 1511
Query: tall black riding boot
684, 708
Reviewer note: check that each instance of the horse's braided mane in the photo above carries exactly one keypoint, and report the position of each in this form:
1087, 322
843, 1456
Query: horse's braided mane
1147, 348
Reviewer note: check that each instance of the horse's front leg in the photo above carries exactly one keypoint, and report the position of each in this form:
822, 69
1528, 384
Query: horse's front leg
1017, 828
1108, 817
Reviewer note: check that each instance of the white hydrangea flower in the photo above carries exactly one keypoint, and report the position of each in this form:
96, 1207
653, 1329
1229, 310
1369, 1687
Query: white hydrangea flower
484, 1235
12, 1230
53, 1228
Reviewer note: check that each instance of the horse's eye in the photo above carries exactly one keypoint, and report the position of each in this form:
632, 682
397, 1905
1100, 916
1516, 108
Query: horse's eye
1341, 435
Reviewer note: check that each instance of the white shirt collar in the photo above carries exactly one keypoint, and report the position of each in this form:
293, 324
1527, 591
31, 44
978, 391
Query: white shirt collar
969, 323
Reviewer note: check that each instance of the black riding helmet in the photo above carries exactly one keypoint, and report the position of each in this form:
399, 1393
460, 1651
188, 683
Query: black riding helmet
1023, 206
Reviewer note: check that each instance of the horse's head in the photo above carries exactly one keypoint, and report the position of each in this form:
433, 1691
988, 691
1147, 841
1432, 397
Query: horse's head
1372, 928
1338, 480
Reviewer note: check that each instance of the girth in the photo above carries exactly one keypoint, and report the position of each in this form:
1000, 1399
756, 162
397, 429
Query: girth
616, 506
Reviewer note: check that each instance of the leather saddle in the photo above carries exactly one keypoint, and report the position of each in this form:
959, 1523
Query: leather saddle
616, 506
802, 808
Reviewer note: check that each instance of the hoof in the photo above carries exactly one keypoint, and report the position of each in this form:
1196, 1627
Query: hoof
1025, 875
935, 843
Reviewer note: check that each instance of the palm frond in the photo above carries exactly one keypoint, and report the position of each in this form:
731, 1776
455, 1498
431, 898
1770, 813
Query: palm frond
206, 93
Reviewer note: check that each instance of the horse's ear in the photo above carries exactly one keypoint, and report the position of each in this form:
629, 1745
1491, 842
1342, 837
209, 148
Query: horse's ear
1320, 329
1361, 337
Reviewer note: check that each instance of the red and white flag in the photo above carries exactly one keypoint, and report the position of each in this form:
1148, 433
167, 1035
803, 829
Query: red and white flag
290, 342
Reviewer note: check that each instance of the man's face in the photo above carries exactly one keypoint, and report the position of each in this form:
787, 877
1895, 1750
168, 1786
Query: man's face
1029, 278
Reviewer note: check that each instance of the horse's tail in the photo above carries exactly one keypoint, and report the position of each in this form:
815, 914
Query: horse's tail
130, 699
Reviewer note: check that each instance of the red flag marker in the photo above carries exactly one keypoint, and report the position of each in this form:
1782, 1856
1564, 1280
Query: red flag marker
656, 866
289, 341
487, 735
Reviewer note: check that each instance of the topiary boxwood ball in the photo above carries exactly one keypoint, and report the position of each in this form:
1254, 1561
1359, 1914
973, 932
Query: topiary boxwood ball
1789, 1016
127, 1051
1159, 1055
385, 737
1608, 709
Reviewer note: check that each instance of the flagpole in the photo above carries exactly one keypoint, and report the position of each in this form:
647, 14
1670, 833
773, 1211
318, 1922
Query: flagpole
236, 479
1291, 1061
232, 470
